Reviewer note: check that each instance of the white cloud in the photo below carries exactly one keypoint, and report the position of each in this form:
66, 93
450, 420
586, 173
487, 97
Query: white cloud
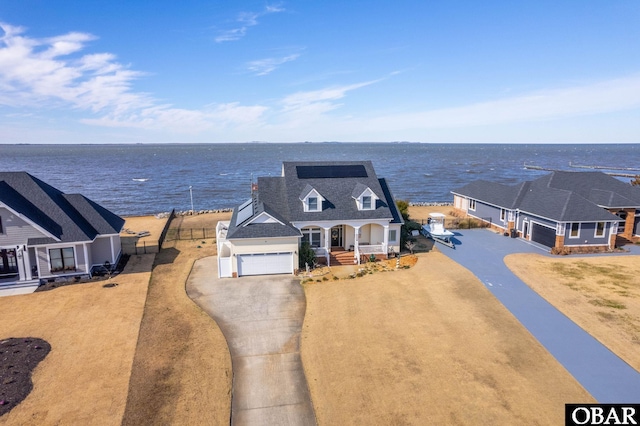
43, 72
246, 20
596, 98
164, 117
268, 65
303, 99
53, 73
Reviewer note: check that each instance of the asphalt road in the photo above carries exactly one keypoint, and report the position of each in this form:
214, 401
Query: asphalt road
601, 372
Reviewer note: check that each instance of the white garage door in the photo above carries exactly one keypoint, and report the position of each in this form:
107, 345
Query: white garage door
265, 263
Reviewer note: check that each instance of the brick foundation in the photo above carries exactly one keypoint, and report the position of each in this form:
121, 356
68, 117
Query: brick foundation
579, 250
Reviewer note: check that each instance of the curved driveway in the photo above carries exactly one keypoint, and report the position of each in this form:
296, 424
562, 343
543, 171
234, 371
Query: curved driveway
261, 319
602, 373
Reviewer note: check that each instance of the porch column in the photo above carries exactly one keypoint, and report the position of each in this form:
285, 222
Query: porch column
113, 250
356, 250
327, 239
385, 242
327, 245
19, 259
27, 264
86, 258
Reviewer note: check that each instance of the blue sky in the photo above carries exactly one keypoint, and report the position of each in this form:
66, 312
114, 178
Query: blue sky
221, 71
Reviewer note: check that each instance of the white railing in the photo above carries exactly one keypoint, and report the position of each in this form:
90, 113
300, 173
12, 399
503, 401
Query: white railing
319, 251
372, 249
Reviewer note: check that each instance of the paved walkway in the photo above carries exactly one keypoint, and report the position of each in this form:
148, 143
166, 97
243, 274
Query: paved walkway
261, 319
600, 371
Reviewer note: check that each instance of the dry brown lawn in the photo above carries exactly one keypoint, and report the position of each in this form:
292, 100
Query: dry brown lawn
182, 368
426, 345
396, 347
92, 331
125, 355
600, 294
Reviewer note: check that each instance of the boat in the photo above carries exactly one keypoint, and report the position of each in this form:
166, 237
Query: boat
435, 230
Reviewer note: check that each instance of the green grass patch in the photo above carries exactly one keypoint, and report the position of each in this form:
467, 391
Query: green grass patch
607, 303
611, 275
607, 316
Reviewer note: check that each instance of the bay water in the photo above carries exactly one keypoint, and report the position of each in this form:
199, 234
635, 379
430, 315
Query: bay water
139, 179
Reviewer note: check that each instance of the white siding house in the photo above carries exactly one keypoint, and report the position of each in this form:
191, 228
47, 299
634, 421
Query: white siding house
337, 207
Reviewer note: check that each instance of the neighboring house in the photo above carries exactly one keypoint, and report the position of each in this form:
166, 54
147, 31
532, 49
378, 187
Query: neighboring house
342, 209
562, 209
45, 233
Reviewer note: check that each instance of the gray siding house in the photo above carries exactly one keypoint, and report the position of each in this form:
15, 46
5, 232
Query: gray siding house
574, 210
342, 209
45, 233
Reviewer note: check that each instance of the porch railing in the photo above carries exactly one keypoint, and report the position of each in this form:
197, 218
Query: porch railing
372, 249
319, 251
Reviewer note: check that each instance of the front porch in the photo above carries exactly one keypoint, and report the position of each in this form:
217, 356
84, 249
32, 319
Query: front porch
347, 244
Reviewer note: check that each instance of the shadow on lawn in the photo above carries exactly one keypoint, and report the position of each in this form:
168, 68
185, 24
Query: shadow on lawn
166, 256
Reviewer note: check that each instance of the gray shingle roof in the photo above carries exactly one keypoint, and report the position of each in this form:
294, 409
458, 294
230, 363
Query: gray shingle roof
246, 229
561, 196
68, 217
281, 197
338, 192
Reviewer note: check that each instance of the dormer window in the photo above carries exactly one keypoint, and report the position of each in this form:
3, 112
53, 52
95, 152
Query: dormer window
311, 199
365, 198
313, 204
366, 202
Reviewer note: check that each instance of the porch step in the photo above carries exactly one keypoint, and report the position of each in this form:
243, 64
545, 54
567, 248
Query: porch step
19, 284
342, 258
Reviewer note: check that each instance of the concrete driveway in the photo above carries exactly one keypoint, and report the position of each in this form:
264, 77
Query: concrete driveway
602, 373
261, 319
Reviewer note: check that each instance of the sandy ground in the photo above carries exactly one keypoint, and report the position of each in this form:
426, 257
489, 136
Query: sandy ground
135, 224
600, 294
182, 368
208, 220
421, 347
93, 332
421, 213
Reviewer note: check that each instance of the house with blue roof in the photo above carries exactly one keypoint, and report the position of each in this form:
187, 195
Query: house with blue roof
342, 209
570, 210
47, 234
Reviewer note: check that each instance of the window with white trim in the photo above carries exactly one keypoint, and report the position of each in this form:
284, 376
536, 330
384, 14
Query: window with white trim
311, 236
503, 214
366, 202
599, 230
393, 236
472, 204
62, 259
313, 204
575, 230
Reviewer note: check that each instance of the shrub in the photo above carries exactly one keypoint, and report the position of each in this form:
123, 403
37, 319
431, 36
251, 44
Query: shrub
403, 208
307, 255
